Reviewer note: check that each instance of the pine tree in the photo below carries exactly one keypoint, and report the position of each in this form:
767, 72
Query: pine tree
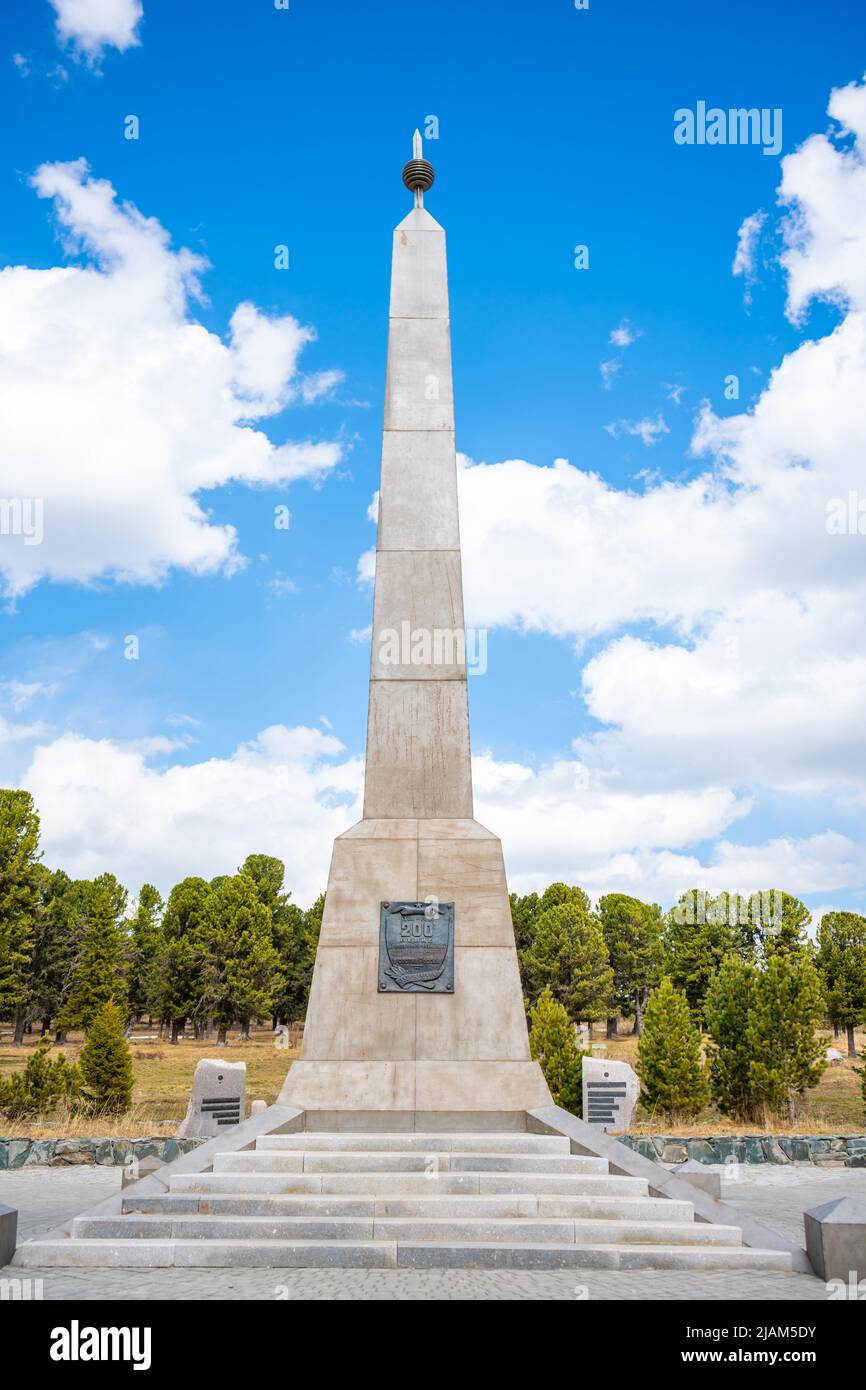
552, 1043
570, 956
788, 925
841, 960
44, 1084
729, 1003
99, 973
187, 931
632, 932
787, 1056
242, 970
672, 1075
19, 905
145, 942
699, 934
106, 1062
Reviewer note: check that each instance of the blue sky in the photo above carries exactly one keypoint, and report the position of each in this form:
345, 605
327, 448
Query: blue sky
261, 127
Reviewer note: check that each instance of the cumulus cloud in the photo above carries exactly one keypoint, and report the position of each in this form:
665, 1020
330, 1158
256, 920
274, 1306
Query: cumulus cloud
91, 26
119, 409
289, 791
103, 806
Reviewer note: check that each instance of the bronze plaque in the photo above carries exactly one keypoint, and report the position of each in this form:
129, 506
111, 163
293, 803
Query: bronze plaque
416, 948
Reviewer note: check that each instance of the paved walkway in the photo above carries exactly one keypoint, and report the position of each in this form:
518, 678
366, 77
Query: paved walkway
777, 1196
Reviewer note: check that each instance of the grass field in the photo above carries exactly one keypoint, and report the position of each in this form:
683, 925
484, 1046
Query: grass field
163, 1077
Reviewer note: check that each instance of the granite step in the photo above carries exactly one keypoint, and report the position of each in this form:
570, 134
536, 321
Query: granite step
424, 1255
402, 1161
385, 1254
508, 1142
412, 1184
324, 1204
448, 1229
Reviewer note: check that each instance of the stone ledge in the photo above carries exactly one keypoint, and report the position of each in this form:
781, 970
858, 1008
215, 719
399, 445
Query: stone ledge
107, 1153
822, 1150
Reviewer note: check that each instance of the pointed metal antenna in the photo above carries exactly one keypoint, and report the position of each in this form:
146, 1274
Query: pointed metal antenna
418, 173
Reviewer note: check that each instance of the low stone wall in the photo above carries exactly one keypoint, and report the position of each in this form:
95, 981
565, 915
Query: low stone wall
61, 1153
843, 1151
824, 1150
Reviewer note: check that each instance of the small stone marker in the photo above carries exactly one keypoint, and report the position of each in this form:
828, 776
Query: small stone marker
257, 1107
610, 1092
217, 1100
699, 1175
836, 1239
8, 1234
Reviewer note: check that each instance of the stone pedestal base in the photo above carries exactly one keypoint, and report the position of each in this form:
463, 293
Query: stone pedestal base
366, 1051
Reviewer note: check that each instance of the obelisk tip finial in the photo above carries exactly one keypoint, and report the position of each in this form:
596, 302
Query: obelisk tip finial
418, 174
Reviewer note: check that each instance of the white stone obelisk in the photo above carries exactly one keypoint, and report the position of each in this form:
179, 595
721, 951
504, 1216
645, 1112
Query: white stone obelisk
418, 1056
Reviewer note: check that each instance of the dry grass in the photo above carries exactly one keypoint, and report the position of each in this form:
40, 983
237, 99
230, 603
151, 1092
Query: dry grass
834, 1106
163, 1078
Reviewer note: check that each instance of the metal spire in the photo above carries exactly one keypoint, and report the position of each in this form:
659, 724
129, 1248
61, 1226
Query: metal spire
418, 174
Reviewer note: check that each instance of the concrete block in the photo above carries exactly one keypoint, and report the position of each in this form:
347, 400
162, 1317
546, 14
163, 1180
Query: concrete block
484, 1020
418, 495
367, 1025
701, 1176
8, 1234
418, 616
418, 750
418, 389
836, 1239
364, 872
469, 872
419, 279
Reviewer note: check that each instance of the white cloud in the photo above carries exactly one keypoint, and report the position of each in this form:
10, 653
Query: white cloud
290, 791
91, 26
748, 238
608, 372
119, 409
648, 431
287, 793
281, 584
624, 335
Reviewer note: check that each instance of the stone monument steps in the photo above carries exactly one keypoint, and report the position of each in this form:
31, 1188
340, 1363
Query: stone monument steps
508, 1143
388, 1254
318, 1205
449, 1230
412, 1184
456, 1200
437, 1161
